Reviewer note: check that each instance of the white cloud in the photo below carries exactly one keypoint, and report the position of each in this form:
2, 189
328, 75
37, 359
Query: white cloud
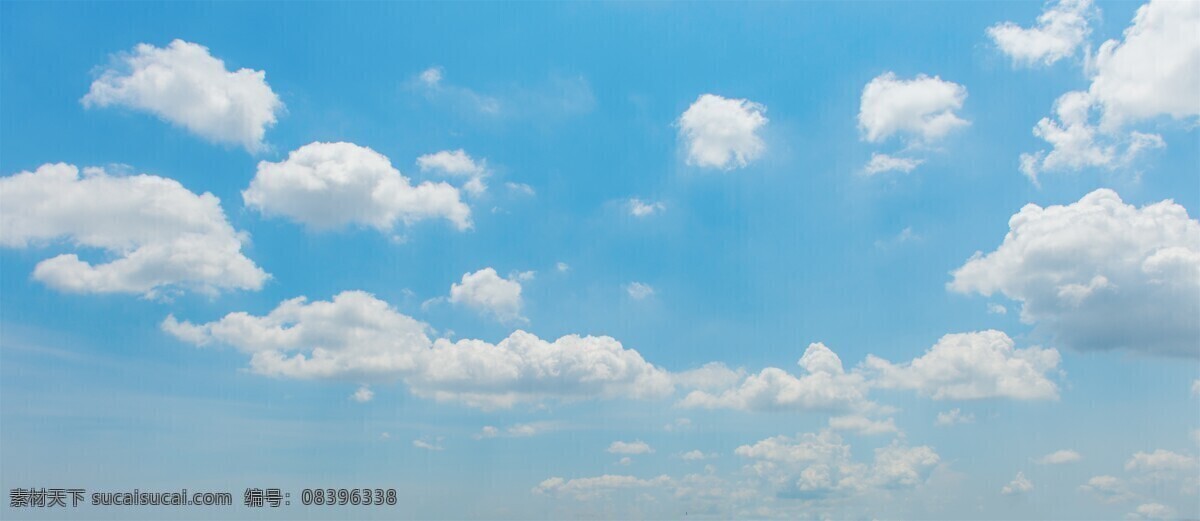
881, 163
554, 98
967, 366
1152, 511
630, 447
826, 386
1108, 489
678, 425
640, 208
997, 309
518, 430
363, 394
722, 132
953, 417
815, 465
487, 432
626, 461
428, 445
862, 425
1060, 457
359, 338
592, 488
1061, 29
696, 455
639, 291
185, 85
1196, 387
1099, 274
922, 108
331, 185
456, 163
1153, 73
485, 291
520, 189
159, 236
1019, 485
1161, 464
562, 267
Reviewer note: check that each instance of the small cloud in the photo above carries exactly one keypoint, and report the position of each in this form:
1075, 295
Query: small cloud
997, 309
722, 133
640, 208
385, 436
881, 163
1019, 485
487, 432
457, 164
905, 236
697, 455
520, 189
430, 446
363, 394
639, 291
625, 461
431, 76
562, 267
630, 447
1060, 457
953, 417
678, 425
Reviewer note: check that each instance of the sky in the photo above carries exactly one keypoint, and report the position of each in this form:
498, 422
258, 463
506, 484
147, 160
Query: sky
605, 260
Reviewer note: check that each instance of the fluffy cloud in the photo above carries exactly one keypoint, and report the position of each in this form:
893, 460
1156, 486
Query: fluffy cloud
862, 425
640, 208
639, 290
826, 386
331, 185
1099, 273
816, 465
356, 337
363, 394
1152, 511
630, 447
160, 236
185, 85
1161, 463
1060, 30
1153, 73
696, 455
1019, 485
518, 430
1060, 457
456, 163
1108, 489
485, 291
881, 163
596, 487
435, 445
967, 366
722, 132
953, 417
922, 108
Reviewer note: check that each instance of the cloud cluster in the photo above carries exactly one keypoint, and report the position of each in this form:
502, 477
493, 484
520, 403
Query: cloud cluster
357, 337
185, 85
1060, 30
159, 235
487, 292
1152, 73
332, 185
1099, 274
456, 163
969, 366
722, 132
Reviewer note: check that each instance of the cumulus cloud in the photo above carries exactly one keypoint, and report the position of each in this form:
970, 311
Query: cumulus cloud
722, 132
953, 417
640, 208
592, 488
922, 108
332, 185
881, 163
1152, 511
487, 292
968, 366
817, 465
826, 386
518, 430
1060, 30
629, 447
1099, 274
862, 425
456, 163
1161, 464
363, 394
1108, 489
1151, 74
1060, 457
357, 337
159, 236
696, 455
435, 445
1019, 485
185, 85
639, 290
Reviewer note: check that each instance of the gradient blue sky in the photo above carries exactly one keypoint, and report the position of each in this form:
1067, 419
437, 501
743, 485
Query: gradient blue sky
748, 265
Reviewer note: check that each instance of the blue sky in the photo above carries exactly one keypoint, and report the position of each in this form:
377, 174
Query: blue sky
742, 134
